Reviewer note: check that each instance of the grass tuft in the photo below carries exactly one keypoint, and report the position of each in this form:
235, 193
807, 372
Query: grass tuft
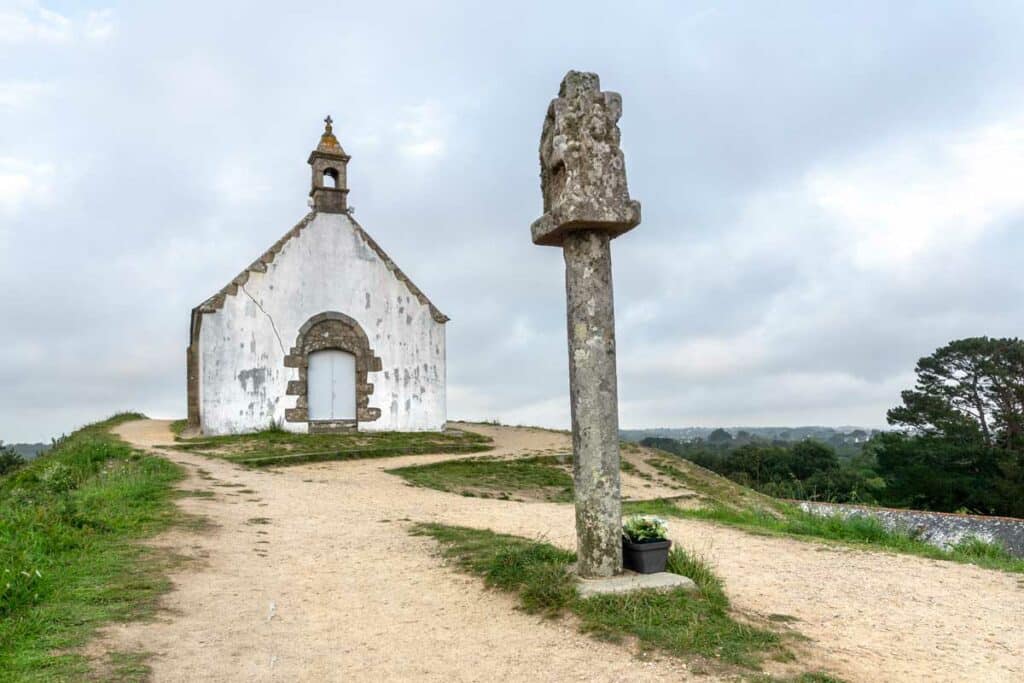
510, 563
128, 667
178, 427
975, 550
695, 567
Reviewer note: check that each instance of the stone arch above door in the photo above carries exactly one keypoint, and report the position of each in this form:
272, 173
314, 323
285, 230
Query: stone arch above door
331, 330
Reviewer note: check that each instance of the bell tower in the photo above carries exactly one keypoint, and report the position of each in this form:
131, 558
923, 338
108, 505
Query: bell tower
329, 163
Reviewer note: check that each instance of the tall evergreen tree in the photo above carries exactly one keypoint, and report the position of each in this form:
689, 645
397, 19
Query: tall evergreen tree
962, 431
971, 391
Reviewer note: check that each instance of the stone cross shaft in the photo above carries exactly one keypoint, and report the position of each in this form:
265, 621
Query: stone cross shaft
586, 205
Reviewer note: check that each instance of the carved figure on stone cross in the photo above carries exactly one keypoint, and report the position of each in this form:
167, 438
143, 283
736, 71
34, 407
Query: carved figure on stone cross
583, 172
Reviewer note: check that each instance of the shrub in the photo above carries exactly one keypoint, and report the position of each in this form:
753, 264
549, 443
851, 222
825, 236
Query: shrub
10, 459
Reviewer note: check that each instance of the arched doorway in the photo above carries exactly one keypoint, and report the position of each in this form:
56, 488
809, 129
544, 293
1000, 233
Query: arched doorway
332, 385
340, 382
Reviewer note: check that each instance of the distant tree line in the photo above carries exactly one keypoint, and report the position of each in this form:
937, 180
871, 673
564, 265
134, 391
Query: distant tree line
806, 470
958, 443
847, 441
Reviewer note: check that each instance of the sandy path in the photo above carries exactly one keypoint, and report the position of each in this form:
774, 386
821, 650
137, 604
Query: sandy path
300, 597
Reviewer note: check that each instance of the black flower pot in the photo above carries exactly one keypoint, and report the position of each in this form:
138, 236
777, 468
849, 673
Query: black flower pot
645, 558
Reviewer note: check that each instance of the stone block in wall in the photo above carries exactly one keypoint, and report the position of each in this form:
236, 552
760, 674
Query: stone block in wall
296, 414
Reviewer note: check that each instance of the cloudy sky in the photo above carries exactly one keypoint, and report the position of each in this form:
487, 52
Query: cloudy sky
830, 191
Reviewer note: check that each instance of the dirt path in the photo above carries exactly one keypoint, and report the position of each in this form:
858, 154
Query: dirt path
289, 589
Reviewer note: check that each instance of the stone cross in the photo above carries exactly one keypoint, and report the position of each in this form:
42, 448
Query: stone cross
586, 205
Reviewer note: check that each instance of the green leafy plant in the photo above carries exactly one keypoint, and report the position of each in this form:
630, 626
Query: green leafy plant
58, 478
645, 529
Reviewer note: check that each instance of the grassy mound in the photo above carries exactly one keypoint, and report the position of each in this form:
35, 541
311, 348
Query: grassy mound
70, 561
278, 447
537, 477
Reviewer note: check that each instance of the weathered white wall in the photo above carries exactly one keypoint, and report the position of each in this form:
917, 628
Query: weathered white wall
328, 266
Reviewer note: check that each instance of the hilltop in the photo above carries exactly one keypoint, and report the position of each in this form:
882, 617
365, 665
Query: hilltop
338, 563
296, 553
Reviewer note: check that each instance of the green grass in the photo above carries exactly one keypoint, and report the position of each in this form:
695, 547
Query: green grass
278, 447
128, 667
178, 427
676, 622
693, 566
70, 558
658, 507
855, 531
537, 477
713, 488
539, 572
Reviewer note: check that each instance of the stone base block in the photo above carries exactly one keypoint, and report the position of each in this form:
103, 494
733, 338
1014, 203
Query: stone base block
332, 426
628, 581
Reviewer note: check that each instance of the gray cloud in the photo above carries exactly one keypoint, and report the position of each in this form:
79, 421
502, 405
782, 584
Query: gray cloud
827, 190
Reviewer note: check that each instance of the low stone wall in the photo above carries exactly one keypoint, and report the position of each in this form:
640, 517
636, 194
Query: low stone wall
941, 529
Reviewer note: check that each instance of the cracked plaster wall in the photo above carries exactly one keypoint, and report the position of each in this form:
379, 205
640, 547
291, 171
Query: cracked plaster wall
328, 266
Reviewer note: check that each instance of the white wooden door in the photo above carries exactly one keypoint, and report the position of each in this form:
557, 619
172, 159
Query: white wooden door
331, 381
